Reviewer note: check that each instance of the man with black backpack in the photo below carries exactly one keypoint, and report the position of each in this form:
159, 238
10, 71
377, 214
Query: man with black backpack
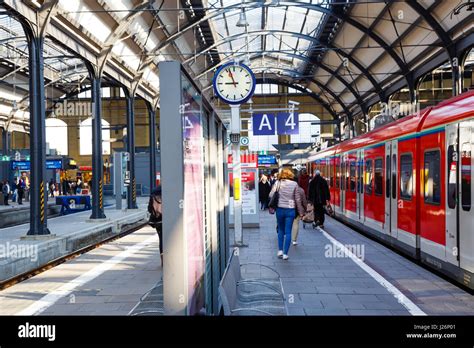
155, 210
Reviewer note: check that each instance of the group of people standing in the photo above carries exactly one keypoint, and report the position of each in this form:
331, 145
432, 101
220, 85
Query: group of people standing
15, 191
294, 194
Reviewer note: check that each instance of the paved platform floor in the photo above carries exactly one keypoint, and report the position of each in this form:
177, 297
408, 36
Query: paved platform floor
318, 280
26, 204
105, 281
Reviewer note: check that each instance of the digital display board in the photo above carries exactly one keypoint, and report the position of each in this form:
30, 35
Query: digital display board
267, 159
26, 165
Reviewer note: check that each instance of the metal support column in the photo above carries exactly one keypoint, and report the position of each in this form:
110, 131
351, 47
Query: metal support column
5, 152
456, 66
236, 176
38, 203
152, 126
97, 160
132, 188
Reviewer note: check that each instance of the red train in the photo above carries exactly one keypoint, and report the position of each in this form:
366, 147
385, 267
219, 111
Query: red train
409, 184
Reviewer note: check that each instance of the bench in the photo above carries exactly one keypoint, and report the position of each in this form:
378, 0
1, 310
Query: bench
261, 293
69, 204
151, 303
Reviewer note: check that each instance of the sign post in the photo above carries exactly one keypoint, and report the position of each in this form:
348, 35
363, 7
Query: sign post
236, 175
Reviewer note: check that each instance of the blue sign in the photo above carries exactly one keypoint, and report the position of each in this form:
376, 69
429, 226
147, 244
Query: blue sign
54, 164
263, 124
26, 165
287, 123
267, 159
20, 165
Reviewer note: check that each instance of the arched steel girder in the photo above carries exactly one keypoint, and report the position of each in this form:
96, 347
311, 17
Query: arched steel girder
301, 36
296, 56
438, 29
249, 6
320, 85
301, 89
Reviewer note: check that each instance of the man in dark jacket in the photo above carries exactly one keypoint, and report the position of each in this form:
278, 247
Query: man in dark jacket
320, 196
155, 210
303, 181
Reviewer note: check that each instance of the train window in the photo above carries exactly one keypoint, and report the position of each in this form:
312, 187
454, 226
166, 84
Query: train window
394, 176
452, 177
466, 176
343, 176
338, 174
378, 177
368, 177
387, 175
358, 176
353, 176
406, 177
432, 177
331, 174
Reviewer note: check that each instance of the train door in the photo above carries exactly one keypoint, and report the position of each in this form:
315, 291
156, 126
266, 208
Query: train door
360, 185
391, 178
343, 183
393, 188
452, 165
466, 192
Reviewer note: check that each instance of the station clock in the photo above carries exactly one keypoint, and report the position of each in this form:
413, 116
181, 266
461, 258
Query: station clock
234, 83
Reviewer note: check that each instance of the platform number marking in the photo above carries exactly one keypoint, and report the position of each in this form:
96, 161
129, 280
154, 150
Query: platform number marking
290, 121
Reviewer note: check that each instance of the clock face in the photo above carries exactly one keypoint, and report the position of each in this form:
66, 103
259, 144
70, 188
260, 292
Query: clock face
234, 84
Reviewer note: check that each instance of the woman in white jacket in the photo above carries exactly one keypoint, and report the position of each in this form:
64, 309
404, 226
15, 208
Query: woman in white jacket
289, 204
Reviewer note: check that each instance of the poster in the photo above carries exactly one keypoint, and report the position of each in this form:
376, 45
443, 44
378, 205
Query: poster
249, 193
194, 196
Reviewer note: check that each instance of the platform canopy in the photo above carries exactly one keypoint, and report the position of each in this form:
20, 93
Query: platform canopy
350, 54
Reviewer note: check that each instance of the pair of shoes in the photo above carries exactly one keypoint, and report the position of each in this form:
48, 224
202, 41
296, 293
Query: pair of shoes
321, 226
285, 257
280, 253
295, 242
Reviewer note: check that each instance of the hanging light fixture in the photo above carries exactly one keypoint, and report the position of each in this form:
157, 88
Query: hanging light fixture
242, 19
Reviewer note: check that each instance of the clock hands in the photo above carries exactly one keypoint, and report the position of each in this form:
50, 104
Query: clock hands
232, 77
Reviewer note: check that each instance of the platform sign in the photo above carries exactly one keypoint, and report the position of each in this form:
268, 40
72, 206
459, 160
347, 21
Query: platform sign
267, 160
263, 124
54, 164
20, 165
288, 123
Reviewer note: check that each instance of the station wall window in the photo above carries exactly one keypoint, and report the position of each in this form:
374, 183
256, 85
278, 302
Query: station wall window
406, 176
432, 179
466, 176
378, 177
452, 177
352, 176
368, 177
85, 135
57, 135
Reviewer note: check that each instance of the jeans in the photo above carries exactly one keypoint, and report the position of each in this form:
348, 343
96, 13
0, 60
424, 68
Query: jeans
285, 217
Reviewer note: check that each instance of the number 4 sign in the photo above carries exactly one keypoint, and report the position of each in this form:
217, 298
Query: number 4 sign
287, 123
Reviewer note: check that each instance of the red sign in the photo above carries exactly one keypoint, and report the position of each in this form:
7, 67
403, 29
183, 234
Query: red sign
85, 168
246, 160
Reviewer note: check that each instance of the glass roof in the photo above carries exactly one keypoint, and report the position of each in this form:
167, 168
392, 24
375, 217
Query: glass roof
273, 32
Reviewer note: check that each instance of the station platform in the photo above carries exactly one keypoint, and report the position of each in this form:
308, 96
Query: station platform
319, 278
108, 280
16, 214
20, 253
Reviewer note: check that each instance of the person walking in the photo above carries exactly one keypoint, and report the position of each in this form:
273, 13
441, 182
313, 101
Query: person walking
303, 181
289, 204
296, 222
320, 196
51, 188
156, 215
21, 190
6, 192
264, 188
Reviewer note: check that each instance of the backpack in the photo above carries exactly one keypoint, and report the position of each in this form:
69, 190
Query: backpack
155, 209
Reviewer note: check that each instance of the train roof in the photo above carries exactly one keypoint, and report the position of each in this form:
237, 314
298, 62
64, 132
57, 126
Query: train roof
448, 111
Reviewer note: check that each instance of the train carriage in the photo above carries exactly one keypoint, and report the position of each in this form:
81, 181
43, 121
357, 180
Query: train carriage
409, 184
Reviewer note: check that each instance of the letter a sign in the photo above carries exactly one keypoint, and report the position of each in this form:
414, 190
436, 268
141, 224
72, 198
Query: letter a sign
263, 124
